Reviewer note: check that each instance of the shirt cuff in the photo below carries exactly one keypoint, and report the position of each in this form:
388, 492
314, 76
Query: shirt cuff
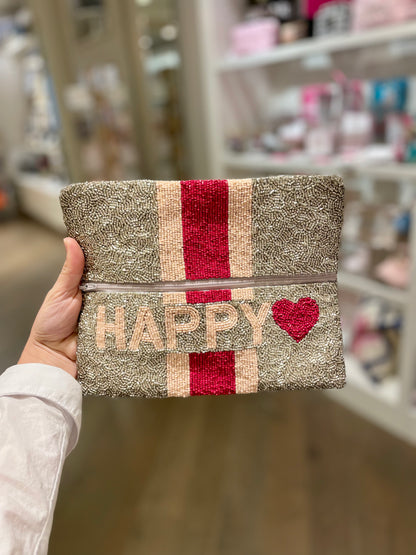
50, 383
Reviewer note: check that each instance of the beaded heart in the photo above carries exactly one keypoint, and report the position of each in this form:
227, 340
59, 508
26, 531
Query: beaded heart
297, 319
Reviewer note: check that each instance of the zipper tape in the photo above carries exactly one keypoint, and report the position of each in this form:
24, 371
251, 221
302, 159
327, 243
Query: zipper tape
207, 284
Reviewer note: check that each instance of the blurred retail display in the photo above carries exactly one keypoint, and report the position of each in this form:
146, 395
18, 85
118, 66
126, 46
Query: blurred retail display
376, 242
29, 125
375, 337
117, 86
100, 87
342, 103
296, 19
344, 121
42, 150
101, 100
160, 50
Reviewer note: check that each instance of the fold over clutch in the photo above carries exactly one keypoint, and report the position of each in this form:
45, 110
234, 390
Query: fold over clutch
208, 287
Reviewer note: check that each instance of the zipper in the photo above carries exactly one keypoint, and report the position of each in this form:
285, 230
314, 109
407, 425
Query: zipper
206, 284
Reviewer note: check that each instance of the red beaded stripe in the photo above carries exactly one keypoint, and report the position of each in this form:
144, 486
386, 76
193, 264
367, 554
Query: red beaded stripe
212, 373
211, 296
205, 232
205, 235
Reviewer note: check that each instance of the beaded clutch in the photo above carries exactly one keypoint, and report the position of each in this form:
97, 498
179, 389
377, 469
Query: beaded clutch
208, 287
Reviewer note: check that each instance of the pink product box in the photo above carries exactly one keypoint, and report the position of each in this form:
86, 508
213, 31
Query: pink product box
254, 36
373, 13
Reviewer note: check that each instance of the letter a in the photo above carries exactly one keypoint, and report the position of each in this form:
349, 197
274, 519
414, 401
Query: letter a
173, 327
145, 330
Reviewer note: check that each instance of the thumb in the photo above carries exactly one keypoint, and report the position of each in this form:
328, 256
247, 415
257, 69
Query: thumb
72, 270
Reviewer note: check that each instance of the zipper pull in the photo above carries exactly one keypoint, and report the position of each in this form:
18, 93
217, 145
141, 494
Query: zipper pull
87, 287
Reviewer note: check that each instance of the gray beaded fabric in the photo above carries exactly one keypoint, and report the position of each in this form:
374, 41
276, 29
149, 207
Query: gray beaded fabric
273, 325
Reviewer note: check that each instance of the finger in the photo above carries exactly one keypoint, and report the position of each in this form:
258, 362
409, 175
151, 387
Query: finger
71, 273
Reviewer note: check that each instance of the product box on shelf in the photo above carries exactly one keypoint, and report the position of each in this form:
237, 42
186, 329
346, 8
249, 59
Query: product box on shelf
373, 13
254, 36
328, 16
332, 18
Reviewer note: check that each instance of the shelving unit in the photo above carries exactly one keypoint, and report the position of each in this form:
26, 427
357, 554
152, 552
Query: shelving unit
72, 55
217, 76
39, 198
369, 286
395, 35
259, 163
388, 391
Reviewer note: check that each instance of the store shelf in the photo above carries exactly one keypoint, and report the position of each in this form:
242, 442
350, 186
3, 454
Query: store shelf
259, 162
394, 172
387, 391
38, 197
369, 286
379, 403
325, 45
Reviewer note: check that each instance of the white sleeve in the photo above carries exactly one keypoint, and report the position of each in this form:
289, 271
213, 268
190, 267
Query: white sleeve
40, 420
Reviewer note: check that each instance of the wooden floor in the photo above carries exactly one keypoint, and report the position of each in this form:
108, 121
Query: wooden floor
286, 474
